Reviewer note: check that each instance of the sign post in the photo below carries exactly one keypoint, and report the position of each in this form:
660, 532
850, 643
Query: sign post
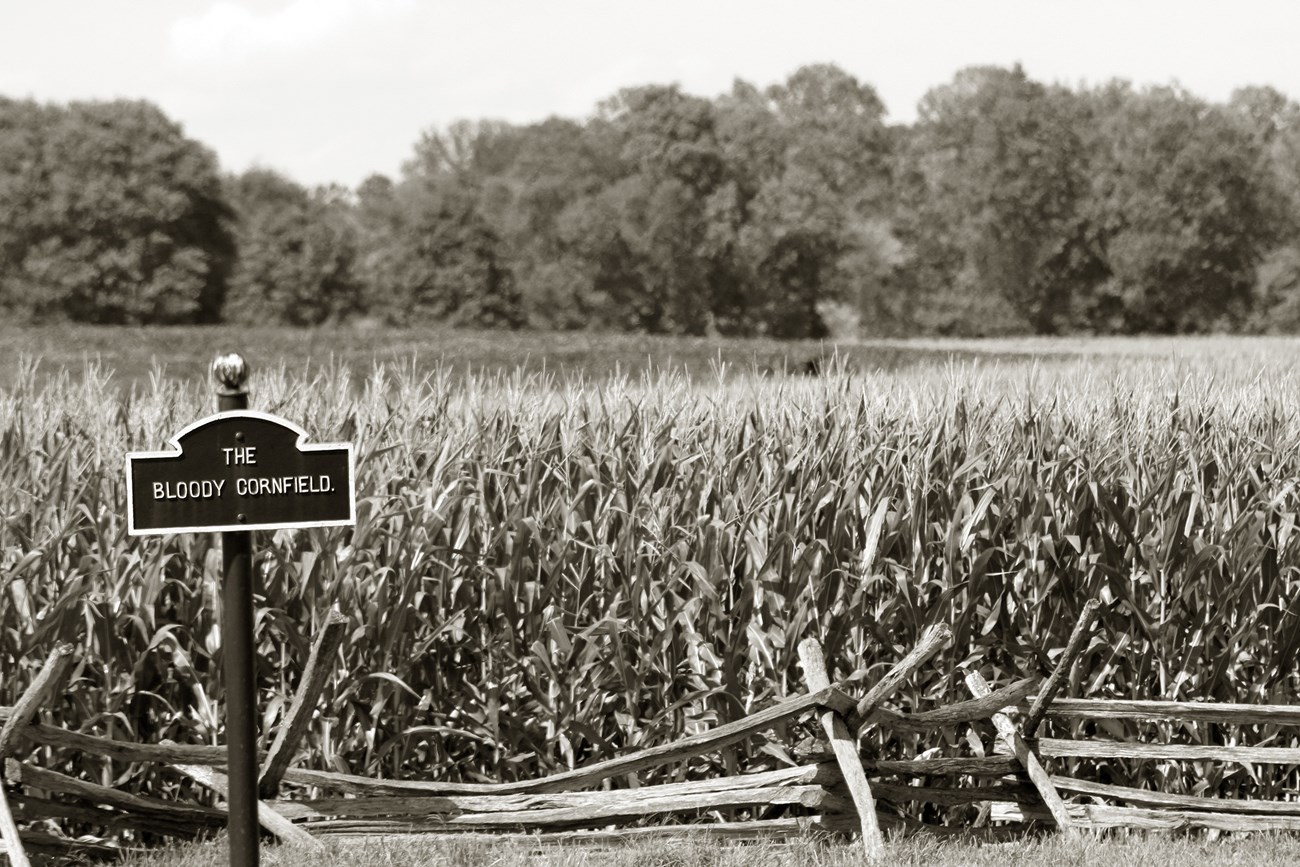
231, 375
233, 473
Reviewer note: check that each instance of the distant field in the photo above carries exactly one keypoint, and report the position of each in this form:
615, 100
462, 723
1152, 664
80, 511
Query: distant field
183, 353
132, 353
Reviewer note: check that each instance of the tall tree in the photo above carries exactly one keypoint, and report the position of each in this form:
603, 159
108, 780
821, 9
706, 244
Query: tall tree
556, 164
297, 251
653, 270
998, 175
835, 130
1273, 123
430, 256
108, 213
1181, 209
24, 187
431, 251
816, 230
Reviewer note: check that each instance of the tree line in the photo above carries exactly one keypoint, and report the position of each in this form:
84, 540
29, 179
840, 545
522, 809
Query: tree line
795, 210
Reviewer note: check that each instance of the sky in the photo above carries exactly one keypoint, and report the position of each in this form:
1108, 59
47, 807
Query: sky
336, 90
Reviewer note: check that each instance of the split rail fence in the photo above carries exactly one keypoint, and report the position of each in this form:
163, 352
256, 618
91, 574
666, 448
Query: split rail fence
1001, 787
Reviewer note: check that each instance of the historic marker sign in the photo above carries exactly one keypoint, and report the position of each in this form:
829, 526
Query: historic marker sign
240, 470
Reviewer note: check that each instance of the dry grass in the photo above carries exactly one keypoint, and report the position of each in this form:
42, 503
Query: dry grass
1130, 850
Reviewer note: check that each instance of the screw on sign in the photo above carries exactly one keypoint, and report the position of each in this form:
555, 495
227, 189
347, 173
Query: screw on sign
235, 472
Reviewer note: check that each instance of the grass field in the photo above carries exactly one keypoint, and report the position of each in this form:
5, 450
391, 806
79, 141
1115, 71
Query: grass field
183, 353
1129, 850
620, 542
134, 353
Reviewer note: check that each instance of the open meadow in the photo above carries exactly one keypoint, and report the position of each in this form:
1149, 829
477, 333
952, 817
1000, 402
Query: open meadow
619, 543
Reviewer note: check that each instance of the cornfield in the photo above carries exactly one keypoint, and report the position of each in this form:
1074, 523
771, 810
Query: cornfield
543, 572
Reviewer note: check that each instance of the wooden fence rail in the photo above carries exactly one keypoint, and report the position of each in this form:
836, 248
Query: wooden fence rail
1180, 711
838, 786
555, 804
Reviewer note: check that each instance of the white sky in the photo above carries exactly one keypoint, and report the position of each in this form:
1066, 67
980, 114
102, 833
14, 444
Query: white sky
334, 90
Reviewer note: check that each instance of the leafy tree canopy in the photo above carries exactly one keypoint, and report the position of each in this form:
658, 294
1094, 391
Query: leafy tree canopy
108, 213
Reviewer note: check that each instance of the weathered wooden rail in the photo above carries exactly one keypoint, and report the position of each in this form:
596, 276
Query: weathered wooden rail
1020, 754
828, 795
1008, 784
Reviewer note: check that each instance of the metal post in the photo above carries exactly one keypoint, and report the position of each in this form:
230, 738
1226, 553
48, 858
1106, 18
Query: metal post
231, 375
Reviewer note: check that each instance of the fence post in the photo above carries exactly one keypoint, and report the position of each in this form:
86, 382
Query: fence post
1052, 687
38, 693
846, 751
298, 717
1027, 758
13, 844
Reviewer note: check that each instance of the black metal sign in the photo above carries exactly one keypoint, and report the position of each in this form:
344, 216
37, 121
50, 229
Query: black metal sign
240, 470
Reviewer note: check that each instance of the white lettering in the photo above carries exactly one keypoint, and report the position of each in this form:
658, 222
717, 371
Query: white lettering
281, 485
202, 489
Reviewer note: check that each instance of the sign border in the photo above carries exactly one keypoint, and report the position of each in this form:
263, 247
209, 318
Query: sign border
301, 445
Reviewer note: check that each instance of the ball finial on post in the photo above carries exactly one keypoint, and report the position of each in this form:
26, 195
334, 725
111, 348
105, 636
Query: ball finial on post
231, 374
